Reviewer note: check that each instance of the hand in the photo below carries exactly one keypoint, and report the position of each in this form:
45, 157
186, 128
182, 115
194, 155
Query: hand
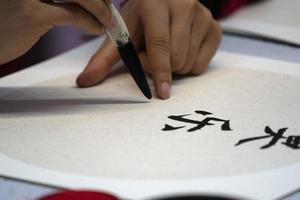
171, 36
23, 22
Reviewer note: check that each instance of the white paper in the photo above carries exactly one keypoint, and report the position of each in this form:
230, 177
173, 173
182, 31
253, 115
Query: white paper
109, 137
274, 19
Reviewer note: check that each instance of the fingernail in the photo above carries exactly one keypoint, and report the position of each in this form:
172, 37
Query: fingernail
78, 80
164, 90
83, 81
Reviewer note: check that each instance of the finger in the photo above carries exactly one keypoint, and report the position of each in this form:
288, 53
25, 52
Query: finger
98, 8
99, 65
145, 62
208, 49
199, 29
62, 15
157, 47
181, 22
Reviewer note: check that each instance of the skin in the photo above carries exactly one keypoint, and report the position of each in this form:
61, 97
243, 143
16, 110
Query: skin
23, 22
171, 36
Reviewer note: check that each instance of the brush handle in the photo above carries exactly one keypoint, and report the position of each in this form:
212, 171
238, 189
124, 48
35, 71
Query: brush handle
118, 33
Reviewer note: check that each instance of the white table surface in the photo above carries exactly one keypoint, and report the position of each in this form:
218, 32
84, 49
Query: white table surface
19, 190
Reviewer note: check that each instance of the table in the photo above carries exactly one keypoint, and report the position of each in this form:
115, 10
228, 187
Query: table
20, 190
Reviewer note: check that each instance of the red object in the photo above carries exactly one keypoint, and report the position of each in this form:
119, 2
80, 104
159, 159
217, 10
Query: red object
8, 68
80, 195
230, 6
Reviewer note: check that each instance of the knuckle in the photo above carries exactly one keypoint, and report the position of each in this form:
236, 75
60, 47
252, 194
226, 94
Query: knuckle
160, 43
204, 12
207, 14
218, 32
184, 71
215, 35
204, 17
181, 72
191, 4
189, 7
159, 69
176, 60
200, 67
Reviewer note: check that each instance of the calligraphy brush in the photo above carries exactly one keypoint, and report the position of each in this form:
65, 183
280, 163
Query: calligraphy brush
120, 37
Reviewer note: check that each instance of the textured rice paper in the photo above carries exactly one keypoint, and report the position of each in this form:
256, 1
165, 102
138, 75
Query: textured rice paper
110, 138
274, 19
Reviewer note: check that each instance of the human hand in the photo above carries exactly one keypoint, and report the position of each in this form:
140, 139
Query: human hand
171, 36
23, 22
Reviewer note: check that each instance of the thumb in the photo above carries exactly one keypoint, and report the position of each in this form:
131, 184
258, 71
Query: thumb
99, 65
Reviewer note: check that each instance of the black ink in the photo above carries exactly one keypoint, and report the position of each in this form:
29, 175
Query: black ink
208, 121
291, 141
123, 35
201, 112
131, 60
171, 128
120, 43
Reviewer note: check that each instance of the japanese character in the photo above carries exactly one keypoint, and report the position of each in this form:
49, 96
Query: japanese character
208, 121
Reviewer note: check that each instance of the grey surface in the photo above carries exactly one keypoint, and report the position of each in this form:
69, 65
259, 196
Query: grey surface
261, 48
294, 197
17, 190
